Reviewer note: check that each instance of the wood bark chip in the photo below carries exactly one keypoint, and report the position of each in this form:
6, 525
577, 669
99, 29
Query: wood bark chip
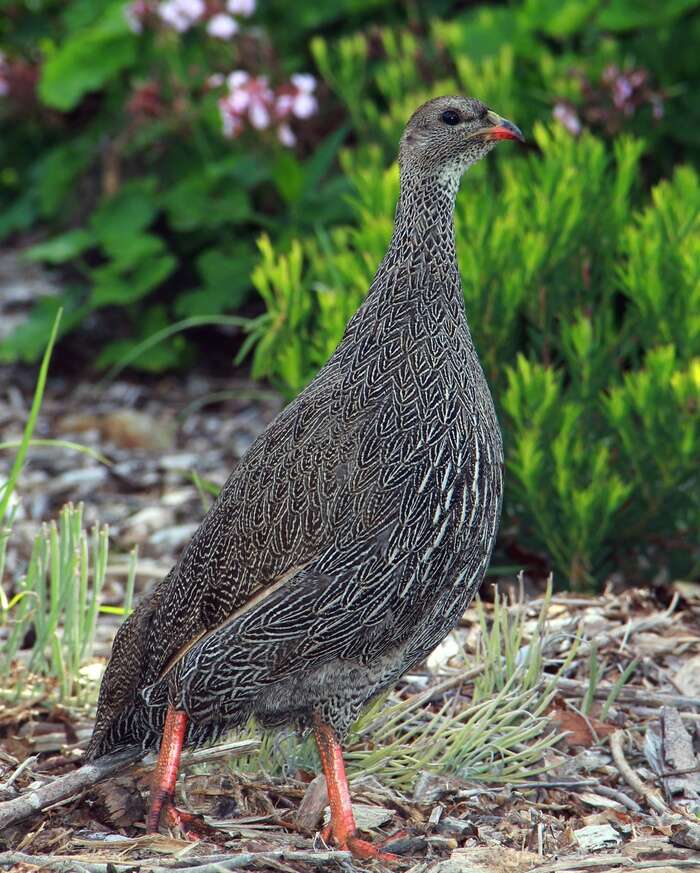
678, 756
315, 800
119, 803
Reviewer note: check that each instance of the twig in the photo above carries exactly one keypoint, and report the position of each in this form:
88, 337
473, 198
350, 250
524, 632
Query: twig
619, 796
570, 864
22, 767
66, 787
637, 695
564, 784
653, 712
216, 864
612, 863
13, 811
631, 778
208, 753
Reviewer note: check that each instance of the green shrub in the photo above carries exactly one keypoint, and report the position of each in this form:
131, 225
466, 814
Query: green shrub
112, 143
585, 315
120, 154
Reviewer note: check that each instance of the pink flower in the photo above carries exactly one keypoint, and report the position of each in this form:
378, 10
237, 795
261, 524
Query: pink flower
297, 99
249, 96
259, 114
657, 107
231, 121
305, 104
222, 26
251, 99
286, 136
216, 80
241, 7
4, 84
566, 115
181, 14
135, 13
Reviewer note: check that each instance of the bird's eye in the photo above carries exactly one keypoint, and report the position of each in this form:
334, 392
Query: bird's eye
449, 116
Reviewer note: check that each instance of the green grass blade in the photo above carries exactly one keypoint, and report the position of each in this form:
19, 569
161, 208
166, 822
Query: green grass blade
59, 444
9, 487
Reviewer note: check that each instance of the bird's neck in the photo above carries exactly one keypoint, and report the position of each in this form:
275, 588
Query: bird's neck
424, 239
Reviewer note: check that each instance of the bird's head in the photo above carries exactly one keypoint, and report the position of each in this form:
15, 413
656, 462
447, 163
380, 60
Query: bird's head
448, 134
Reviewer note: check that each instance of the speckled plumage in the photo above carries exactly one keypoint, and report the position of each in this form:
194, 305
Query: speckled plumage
351, 537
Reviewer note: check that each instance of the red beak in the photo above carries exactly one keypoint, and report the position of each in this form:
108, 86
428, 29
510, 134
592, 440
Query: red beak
502, 129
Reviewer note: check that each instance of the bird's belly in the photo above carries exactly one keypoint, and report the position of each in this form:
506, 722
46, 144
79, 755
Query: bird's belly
384, 607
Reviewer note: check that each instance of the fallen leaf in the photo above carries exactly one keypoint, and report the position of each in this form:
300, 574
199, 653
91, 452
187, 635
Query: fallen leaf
577, 729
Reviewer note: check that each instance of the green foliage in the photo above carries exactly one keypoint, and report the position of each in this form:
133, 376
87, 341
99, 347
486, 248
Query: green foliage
579, 257
118, 154
144, 204
8, 487
88, 58
58, 600
660, 272
565, 285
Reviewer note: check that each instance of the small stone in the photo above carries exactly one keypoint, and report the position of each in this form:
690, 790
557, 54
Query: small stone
79, 482
179, 496
180, 461
687, 679
688, 836
174, 537
139, 527
459, 827
593, 838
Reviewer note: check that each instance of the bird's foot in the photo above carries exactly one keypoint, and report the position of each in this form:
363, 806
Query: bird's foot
359, 848
192, 827
366, 851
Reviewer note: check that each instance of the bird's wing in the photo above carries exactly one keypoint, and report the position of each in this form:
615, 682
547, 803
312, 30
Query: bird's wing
272, 517
278, 511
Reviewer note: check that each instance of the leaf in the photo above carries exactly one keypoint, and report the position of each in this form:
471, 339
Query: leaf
130, 249
125, 215
288, 174
557, 18
206, 199
226, 282
115, 286
88, 59
481, 32
320, 162
29, 339
61, 248
56, 171
631, 14
19, 216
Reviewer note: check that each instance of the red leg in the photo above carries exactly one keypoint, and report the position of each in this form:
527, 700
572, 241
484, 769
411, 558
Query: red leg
165, 777
342, 826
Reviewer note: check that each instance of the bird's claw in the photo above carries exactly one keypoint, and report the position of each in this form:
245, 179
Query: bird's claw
192, 827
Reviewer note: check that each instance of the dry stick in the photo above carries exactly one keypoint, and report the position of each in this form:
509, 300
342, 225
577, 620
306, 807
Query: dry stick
619, 796
621, 862
221, 864
64, 787
631, 778
639, 695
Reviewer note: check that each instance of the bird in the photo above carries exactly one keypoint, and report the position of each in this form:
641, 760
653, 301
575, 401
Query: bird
348, 541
